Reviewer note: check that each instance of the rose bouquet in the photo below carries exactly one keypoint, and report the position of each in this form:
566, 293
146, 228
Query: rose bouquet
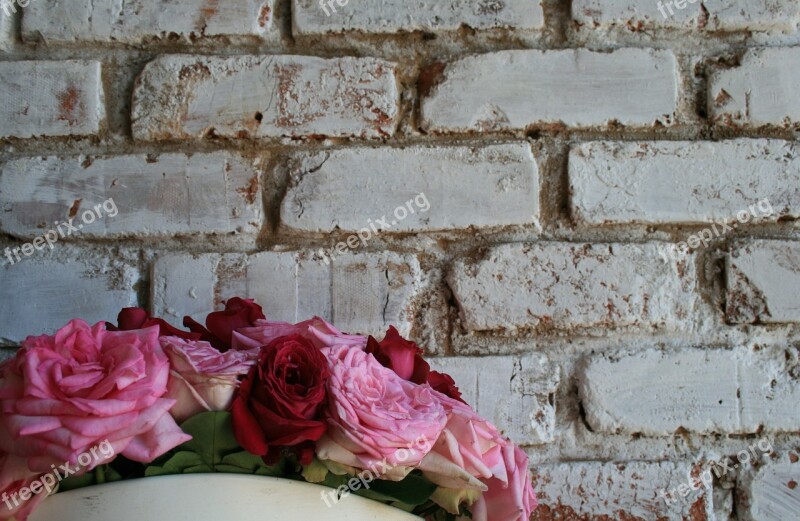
240, 394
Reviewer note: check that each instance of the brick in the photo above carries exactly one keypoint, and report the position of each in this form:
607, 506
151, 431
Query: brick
763, 90
155, 196
763, 279
51, 98
40, 294
362, 293
702, 391
711, 15
707, 182
517, 394
770, 492
393, 16
630, 491
184, 97
137, 21
577, 88
497, 185
7, 35
560, 285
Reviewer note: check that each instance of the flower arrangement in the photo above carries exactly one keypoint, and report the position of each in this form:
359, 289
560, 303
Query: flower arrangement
240, 394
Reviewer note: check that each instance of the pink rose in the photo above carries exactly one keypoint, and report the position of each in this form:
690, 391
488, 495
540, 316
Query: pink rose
317, 331
63, 395
201, 378
511, 501
472, 455
377, 420
15, 483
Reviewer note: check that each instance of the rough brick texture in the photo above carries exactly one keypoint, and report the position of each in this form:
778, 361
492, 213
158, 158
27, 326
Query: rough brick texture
634, 491
264, 96
392, 16
360, 293
711, 15
763, 90
658, 393
141, 20
587, 210
154, 195
563, 286
499, 185
576, 88
685, 182
771, 491
51, 98
57, 289
763, 279
516, 394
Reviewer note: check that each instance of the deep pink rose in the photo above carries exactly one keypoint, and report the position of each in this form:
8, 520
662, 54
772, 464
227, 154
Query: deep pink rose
511, 501
220, 325
63, 395
376, 418
472, 455
14, 478
400, 355
201, 378
317, 331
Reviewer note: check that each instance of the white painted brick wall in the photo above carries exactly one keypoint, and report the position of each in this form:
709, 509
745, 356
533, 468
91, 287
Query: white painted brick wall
393, 16
517, 394
711, 15
621, 491
156, 195
360, 293
577, 88
497, 185
136, 21
763, 279
763, 90
6, 32
771, 491
684, 182
699, 390
51, 98
40, 294
264, 96
565, 286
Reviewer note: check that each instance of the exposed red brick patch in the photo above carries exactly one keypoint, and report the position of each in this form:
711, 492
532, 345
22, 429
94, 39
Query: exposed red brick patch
429, 77
70, 108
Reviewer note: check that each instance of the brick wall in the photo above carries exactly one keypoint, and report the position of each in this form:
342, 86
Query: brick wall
586, 210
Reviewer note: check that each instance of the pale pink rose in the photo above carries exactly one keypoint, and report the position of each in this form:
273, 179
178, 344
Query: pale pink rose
376, 420
317, 331
63, 395
201, 378
512, 501
472, 455
15, 483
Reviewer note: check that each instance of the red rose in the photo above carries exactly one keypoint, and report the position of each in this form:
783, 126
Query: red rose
238, 313
400, 355
444, 384
133, 319
280, 401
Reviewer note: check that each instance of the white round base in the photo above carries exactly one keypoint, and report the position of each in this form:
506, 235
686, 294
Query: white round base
217, 497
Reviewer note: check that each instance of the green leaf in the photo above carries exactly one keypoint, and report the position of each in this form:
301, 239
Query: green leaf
98, 476
212, 436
